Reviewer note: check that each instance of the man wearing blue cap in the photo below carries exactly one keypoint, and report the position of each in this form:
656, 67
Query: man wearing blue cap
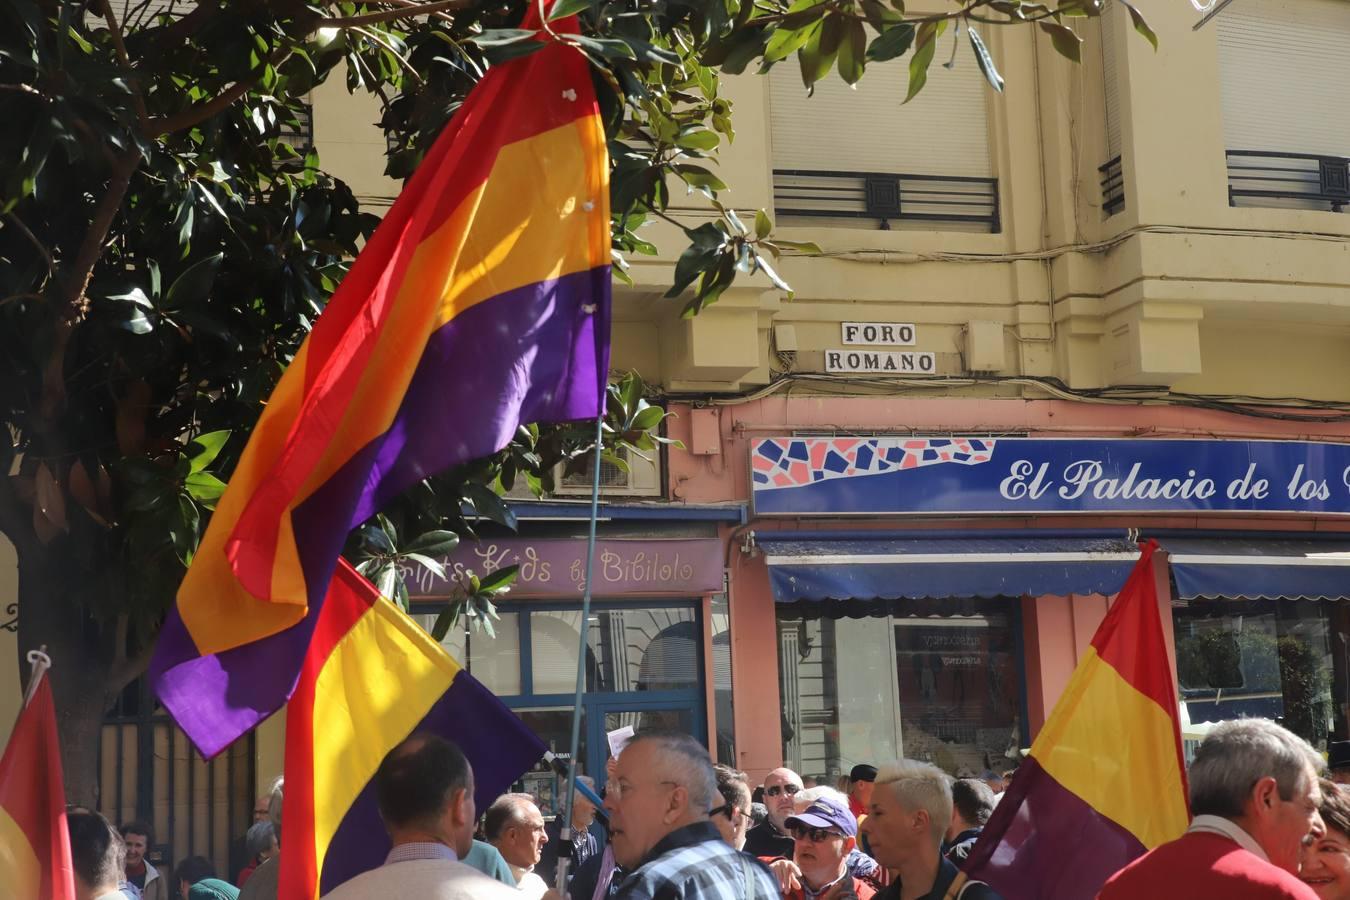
824, 835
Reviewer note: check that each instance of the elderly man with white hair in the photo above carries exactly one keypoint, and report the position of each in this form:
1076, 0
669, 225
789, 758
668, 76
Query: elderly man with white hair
908, 815
1255, 798
514, 825
658, 801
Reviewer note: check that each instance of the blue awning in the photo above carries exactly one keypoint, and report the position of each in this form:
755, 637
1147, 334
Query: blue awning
1260, 569
944, 564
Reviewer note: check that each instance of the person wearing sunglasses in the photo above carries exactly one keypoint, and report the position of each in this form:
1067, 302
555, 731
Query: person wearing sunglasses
824, 836
732, 818
770, 837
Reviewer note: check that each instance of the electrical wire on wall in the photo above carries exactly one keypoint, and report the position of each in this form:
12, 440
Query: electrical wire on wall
886, 257
1285, 409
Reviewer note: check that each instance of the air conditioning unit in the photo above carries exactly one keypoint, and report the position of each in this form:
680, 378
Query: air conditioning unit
643, 478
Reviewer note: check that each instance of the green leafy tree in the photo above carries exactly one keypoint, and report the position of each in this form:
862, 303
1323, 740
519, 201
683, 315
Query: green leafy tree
166, 242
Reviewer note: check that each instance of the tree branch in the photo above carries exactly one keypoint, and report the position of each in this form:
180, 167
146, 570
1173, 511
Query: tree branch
127, 669
374, 37
180, 30
71, 304
22, 88
32, 238
403, 12
199, 113
115, 29
16, 522
406, 4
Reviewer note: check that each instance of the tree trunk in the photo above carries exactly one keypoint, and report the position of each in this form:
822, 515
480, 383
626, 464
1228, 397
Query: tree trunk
53, 612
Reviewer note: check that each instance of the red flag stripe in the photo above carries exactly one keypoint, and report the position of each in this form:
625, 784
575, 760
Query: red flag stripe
33, 795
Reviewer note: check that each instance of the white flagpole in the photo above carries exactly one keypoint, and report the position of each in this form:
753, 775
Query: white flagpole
40, 662
565, 835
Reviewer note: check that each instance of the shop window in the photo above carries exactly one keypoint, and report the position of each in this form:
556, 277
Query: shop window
653, 649
945, 688
644, 668
493, 660
1277, 659
722, 681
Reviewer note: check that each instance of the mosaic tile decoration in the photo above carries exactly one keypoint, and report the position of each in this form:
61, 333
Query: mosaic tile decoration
793, 462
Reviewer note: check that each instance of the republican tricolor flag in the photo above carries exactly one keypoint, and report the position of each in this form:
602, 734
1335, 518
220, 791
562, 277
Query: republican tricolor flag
480, 303
34, 841
1105, 780
371, 678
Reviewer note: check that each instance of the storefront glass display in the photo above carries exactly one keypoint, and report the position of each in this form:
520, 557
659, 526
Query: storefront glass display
940, 688
646, 649
1279, 659
644, 666
725, 748
492, 659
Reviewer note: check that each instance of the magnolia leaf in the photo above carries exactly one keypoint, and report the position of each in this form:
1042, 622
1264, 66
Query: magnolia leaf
985, 60
1065, 40
1140, 25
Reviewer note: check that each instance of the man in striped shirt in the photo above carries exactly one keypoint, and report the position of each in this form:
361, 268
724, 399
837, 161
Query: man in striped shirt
658, 803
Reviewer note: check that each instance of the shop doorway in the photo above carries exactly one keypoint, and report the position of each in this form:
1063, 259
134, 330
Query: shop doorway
644, 667
611, 714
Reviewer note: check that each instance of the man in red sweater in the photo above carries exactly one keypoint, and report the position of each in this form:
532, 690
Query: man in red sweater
1255, 799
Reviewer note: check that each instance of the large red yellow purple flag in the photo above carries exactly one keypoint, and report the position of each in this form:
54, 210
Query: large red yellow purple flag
480, 303
34, 842
371, 678
1105, 780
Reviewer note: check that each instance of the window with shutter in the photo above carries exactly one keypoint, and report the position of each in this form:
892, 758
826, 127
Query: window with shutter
1111, 78
1283, 68
862, 158
1112, 173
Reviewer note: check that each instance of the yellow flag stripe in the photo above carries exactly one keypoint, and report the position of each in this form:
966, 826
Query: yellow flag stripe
1115, 748
379, 682
20, 873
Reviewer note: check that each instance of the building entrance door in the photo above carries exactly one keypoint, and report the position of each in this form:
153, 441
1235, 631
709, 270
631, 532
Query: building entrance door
612, 713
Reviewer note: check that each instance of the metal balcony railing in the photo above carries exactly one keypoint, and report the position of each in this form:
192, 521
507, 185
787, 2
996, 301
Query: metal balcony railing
888, 198
301, 134
1288, 180
1113, 186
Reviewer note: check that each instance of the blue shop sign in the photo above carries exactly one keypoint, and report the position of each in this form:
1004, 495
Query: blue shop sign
931, 475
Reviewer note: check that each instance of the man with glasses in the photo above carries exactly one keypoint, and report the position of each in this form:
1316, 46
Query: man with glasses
658, 801
770, 837
732, 818
825, 835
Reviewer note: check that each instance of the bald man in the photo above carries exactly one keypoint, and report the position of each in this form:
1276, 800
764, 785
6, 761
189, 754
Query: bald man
770, 838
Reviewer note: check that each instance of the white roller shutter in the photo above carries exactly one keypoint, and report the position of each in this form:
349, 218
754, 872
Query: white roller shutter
1284, 68
1110, 21
943, 131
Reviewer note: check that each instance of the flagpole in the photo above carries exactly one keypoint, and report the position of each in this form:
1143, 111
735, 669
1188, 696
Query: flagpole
40, 662
565, 834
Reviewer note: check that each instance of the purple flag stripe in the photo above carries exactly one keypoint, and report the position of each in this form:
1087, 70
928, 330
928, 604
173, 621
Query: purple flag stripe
1045, 841
539, 353
498, 745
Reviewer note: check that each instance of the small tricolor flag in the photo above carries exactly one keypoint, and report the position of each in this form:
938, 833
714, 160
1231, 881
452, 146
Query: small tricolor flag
373, 676
480, 303
1105, 780
34, 842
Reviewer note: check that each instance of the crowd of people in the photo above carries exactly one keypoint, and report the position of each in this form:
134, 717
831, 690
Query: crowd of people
1266, 824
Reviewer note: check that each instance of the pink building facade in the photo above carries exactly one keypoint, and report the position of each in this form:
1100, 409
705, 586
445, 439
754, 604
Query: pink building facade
906, 586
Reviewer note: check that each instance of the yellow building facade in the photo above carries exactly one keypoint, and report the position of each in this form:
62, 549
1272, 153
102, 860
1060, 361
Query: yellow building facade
1088, 229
